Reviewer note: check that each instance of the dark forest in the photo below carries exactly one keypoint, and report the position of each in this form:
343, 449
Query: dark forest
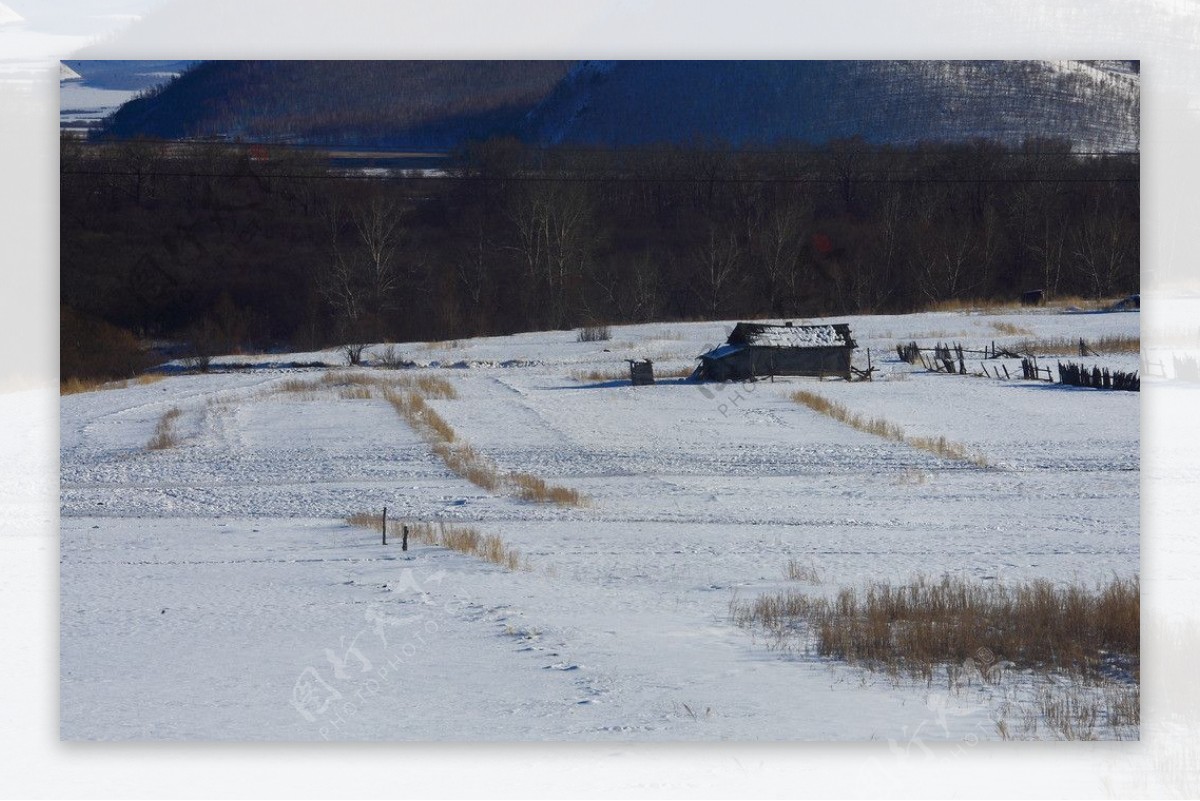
226, 248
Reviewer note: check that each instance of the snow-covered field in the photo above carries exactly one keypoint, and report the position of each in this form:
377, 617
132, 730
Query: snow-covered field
213, 590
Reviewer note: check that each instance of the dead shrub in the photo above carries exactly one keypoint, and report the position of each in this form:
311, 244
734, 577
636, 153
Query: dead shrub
390, 359
594, 333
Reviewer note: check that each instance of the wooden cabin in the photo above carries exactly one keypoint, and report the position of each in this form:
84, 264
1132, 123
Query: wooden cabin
759, 350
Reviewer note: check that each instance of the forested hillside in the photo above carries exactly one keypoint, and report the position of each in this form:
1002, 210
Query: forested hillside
416, 103
440, 105
623, 103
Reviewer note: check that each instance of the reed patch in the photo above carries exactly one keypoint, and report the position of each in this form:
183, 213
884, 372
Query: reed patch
1093, 632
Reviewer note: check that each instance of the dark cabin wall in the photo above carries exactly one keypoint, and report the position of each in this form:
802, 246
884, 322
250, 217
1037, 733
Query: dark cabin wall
753, 362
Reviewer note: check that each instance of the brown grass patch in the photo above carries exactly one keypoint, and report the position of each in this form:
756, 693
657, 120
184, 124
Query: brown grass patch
464, 539
75, 385
470, 464
532, 488
913, 628
939, 446
165, 434
436, 387
365, 520
428, 423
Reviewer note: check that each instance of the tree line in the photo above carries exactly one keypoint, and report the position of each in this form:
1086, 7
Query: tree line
243, 248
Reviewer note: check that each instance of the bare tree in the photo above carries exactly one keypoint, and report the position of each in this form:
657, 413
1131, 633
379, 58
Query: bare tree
780, 244
1103, 246
556, 235
360, 279
718, 258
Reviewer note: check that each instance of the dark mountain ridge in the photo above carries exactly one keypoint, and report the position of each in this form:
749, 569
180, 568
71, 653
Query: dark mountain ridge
440, 104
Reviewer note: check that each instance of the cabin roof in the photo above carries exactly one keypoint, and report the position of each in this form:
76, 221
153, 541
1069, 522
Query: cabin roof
721, 351
791, 336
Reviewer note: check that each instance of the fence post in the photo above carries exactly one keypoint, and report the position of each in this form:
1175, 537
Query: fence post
385, 525
404, 538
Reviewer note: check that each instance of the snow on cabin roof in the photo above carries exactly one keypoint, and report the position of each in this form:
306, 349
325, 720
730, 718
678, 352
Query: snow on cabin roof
791, 336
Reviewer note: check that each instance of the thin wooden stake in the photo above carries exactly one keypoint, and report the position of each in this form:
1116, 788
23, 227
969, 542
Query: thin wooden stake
385, 525
404, 538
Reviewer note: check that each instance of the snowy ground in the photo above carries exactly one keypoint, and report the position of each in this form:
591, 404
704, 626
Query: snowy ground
214, 591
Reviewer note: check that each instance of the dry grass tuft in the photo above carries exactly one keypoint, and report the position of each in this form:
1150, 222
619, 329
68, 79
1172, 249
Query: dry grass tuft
428, 423
915, 627
74, 385
912, 478
365, 520
470, 464
599, 375
803, 571
532, 488
1010, 329
940, 446
165, 434
436, 387
1069, 346
463, 539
